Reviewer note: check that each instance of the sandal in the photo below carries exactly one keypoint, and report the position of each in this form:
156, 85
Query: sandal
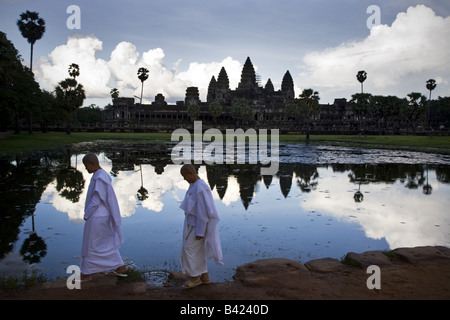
192, 283
205, 279
117, 274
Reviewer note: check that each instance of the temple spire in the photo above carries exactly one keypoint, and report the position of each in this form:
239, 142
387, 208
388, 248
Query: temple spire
287, 86
248, 76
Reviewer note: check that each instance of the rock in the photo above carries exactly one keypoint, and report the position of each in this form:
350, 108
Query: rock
325, 265
368, 258
260, 272
423, 254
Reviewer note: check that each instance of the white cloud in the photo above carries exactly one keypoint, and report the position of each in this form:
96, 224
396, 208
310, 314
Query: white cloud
200, 74
398, 58
99, 76
94, 73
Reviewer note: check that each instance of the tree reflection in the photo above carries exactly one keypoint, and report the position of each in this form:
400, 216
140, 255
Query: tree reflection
142, 193
358, 196
23, 181
360, 175
307, 177
33, 249
427, 188
70, 184
69, 180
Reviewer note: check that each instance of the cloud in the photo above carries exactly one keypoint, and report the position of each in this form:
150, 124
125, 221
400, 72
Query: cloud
199, 74
99, 76
94, 73
398, 58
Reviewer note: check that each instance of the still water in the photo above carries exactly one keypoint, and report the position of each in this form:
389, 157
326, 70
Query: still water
323, 202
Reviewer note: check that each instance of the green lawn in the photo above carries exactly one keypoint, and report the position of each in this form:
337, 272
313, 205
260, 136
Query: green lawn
16, 143
25, 142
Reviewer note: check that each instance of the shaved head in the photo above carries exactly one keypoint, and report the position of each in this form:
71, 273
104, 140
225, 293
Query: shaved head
90, 158
188, 168
91, 163
189, 173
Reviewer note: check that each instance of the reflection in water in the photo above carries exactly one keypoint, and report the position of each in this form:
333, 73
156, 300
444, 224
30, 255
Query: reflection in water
309, 209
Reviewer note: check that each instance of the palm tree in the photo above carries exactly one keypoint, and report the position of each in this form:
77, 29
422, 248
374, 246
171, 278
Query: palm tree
70, 94
142, 75
32, 28
361, 76
114, 93
431, 85
74, 71
309, 106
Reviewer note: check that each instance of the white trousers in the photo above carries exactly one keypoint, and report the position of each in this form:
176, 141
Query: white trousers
192, 256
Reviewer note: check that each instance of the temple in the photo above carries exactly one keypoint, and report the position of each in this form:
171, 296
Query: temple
267, 106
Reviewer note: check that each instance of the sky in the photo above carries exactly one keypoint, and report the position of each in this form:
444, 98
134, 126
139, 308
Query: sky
322, 43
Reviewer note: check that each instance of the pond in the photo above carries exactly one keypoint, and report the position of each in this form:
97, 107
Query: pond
323, 202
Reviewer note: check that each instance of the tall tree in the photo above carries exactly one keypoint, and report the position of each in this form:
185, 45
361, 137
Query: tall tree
32, 28
70, 94
361, 76
74, 70
18, 89
114, 93
309, 106
431, 85
142, 75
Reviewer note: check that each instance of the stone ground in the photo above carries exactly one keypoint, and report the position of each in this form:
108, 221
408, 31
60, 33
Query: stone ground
406, 274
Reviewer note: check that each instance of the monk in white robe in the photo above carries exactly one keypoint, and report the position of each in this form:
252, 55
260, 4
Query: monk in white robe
201, 241
102, 235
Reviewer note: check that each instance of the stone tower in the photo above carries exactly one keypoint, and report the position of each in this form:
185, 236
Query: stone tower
219, 90
192, 96
248, 77
287, 86
269, 86
212, 87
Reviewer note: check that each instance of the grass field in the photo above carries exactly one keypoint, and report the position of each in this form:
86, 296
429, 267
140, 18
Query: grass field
11, 144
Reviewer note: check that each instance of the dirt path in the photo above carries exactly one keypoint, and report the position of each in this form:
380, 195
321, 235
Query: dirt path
413, 273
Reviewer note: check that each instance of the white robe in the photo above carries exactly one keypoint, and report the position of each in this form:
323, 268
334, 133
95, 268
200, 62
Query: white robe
102, 235
201, 219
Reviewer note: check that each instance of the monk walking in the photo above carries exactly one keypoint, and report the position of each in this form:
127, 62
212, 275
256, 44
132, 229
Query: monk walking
102, 235
201, 240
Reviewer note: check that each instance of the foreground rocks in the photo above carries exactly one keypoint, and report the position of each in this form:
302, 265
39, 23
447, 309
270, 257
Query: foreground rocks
404, 273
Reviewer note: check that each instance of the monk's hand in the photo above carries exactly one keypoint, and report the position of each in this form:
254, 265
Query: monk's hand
198, 237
